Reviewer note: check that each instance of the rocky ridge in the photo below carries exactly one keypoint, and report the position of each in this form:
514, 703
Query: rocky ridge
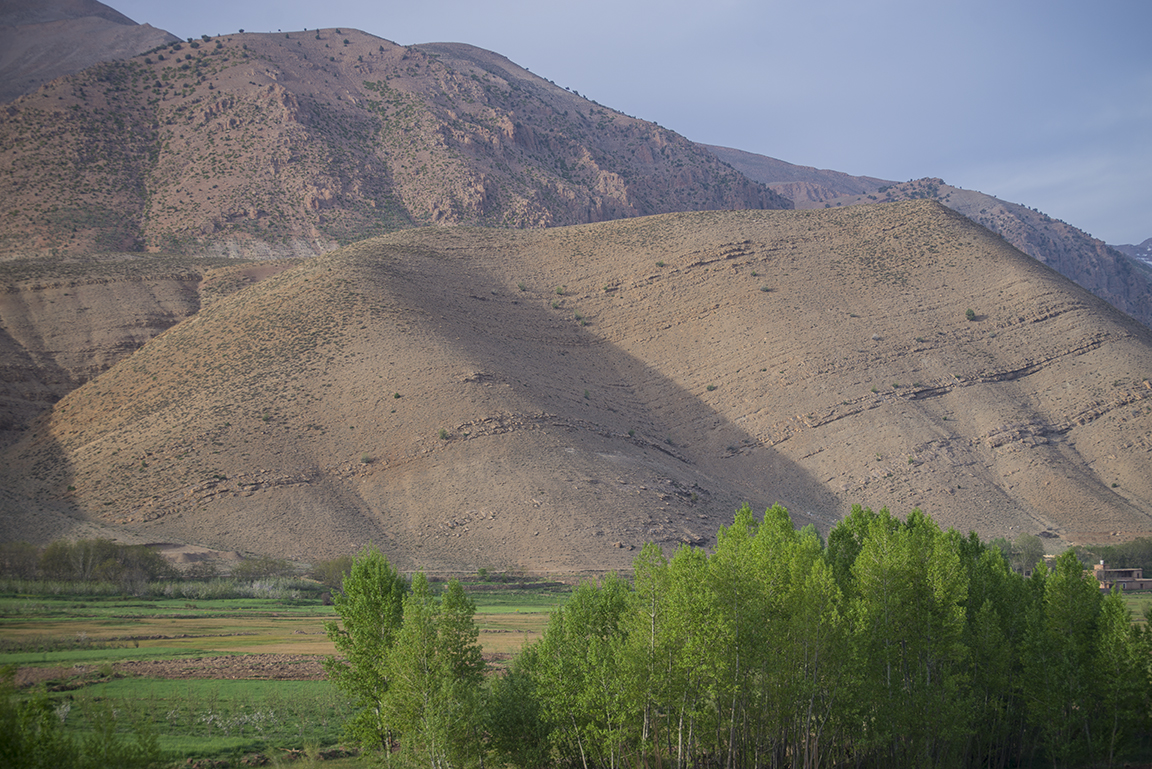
289, 144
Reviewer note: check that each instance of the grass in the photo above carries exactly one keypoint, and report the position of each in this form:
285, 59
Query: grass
82, 636
90, 632
216, 719
1138, 603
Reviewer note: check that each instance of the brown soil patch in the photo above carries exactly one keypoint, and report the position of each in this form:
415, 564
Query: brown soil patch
31, 676
276, 667
272, 667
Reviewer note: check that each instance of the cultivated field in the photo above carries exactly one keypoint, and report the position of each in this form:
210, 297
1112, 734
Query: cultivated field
217, 679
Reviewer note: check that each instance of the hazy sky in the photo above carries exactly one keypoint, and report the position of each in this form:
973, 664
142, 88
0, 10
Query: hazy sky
1047, 103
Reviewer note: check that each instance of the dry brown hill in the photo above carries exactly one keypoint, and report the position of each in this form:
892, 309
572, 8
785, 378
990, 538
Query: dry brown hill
552, 398
805, 186
263, 144
1114, 276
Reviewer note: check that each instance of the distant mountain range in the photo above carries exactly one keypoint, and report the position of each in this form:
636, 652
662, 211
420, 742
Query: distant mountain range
44, 40
1143, 251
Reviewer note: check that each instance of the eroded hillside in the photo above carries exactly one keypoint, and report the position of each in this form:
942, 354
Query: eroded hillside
63, 321
552, 398
288, 144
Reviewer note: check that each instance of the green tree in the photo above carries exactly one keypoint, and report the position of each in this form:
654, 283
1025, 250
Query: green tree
910, 618
645, 659
814, 655
371, 610
1027, 551
18, 559
1058, 660
997, 605
693, 661
739, 631
79, 560
514, 719
846, 540
576, 669
1121, 680
332, 572
436, 671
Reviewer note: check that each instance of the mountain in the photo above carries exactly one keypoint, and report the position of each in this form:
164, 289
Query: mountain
805, 186
1141, 252
573, 332
41, 40
1098, 267
554, 398
289, 144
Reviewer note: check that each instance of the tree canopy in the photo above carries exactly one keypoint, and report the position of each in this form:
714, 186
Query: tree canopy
894, 644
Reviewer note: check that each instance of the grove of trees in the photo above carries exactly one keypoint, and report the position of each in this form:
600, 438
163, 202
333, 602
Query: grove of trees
411, 661
893, 643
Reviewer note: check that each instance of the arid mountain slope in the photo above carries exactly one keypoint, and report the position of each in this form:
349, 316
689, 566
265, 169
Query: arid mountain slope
41, 40
1093, 264
551, 398
263, 144
64, 321
1098, 267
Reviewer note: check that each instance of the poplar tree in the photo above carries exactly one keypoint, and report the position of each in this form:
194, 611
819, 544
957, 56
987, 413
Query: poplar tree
577, 674
435, 673
371, 609
1058, 660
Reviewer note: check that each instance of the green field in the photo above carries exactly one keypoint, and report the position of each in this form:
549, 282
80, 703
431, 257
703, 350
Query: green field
82, 650
1139, 604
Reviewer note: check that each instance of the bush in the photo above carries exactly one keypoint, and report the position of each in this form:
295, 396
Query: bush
263, 567
18, 560
102, 560
333, 571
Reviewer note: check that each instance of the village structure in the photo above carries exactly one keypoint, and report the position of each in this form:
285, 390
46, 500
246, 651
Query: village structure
1126, 579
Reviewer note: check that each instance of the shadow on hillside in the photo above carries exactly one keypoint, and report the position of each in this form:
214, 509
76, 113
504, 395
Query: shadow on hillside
652, 460
569, 377
27, 387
